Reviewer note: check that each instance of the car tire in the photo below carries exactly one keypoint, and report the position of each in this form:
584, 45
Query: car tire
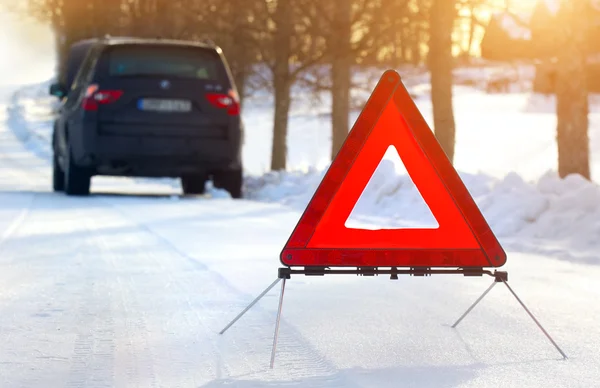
58, 175
193, 184
231, 181
77, 179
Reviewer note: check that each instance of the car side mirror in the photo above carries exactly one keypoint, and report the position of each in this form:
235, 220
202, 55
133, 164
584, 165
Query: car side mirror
57, 90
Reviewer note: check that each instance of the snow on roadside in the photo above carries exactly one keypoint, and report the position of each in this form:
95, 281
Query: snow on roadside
548, 215
541, 103
30, 117
552, 216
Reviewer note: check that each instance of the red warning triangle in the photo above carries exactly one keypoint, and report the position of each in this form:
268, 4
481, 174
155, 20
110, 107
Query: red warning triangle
390, 117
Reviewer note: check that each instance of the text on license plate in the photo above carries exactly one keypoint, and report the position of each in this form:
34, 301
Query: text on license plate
158, 105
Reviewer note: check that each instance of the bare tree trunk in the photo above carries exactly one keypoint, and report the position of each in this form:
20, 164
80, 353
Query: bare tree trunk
417, 38
164, 18
472, 22
400, 51
106, 16
239, 47
440, 65
340, 74
144, 18
571, 91
282, 83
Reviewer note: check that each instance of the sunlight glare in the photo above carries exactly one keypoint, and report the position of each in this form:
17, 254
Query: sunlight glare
26, 51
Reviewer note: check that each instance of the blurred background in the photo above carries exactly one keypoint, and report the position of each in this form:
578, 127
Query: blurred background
305, 67
27, 47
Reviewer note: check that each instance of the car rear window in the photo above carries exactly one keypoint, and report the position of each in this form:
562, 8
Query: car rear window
184, 62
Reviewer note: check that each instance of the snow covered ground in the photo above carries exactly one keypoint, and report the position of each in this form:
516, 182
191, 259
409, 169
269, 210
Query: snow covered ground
131, 286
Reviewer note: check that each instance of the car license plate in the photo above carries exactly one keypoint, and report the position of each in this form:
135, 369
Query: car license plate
157, 105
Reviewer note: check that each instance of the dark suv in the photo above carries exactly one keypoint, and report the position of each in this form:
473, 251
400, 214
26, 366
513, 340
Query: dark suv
147, 108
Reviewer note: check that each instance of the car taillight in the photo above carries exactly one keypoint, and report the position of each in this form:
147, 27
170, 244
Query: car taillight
94, 97
229, 101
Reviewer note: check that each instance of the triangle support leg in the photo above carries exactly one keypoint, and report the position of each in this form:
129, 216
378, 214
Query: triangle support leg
250, 305
474, 304
276, 334
534, 319
502, 277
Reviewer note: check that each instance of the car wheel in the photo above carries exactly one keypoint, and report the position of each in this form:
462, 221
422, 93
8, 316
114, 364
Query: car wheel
58, 175
193, 184
230, 180
77, 179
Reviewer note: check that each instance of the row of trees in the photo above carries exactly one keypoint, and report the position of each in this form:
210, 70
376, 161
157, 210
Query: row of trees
294, 40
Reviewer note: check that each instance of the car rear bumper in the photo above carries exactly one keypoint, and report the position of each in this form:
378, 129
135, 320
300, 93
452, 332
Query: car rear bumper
160, 167
153, 155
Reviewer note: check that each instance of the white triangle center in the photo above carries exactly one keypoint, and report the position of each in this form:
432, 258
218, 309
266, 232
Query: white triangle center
391, 200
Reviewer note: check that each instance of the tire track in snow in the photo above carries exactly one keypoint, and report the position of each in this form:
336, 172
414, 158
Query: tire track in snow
17, 222
181, 279
139, 360
294, 352
142, 292
16, 320
60, 320
94, 348
10, 167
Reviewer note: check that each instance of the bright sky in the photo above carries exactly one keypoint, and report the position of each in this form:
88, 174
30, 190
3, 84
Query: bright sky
26, 51
527, 5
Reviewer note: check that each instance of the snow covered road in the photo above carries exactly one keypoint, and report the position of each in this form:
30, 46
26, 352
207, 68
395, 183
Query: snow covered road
130, 287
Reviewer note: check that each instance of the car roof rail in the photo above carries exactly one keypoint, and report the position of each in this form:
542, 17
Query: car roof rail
208, 42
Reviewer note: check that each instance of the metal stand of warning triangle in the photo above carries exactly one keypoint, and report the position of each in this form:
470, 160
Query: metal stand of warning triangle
286, 273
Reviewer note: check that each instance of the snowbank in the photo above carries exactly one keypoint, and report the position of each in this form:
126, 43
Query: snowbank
30, 117
552, 216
